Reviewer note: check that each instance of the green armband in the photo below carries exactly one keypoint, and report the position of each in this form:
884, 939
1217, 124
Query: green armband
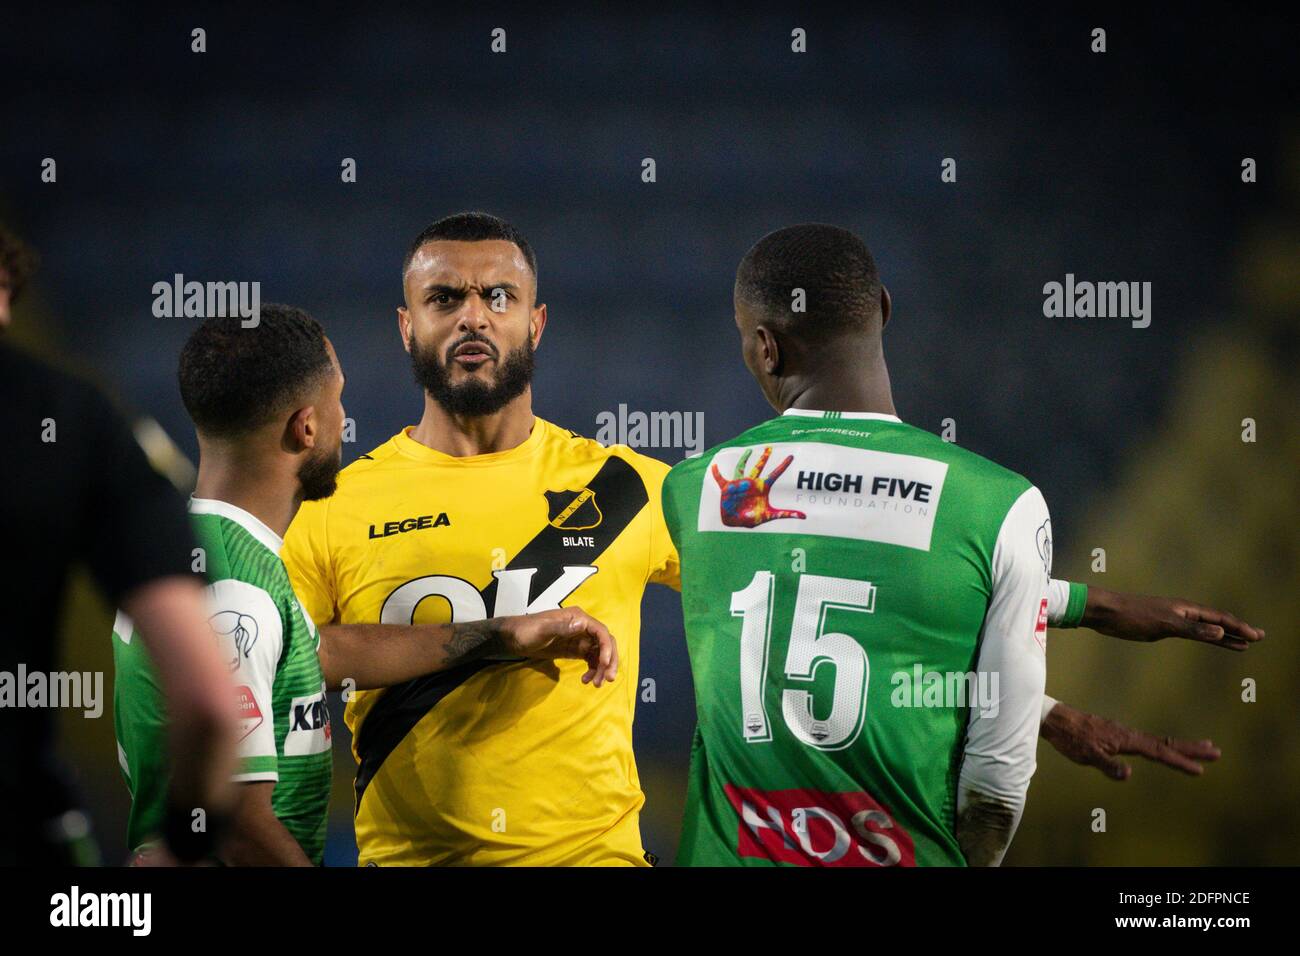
1074, 607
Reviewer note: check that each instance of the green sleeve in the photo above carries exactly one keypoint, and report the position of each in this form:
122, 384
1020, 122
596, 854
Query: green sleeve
1074, 607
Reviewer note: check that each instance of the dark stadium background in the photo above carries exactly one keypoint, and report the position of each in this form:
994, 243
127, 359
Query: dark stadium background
1117, 166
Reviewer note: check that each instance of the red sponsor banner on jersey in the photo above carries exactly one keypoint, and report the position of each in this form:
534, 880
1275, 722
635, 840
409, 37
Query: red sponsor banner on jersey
250, 715
1040, 629
812, 828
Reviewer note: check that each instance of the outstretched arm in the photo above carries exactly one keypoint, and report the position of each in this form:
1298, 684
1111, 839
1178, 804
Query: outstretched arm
1138, 617
1093, 741
379, 655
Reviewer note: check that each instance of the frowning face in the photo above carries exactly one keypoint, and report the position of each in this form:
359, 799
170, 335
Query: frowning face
470, 323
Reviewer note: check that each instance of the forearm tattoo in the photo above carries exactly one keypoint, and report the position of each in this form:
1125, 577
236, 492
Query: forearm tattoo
472, 640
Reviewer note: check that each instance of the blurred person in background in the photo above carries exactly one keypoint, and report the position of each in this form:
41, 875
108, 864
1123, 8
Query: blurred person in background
77, 488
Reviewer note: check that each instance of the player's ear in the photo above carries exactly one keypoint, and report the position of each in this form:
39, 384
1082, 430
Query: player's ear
769, 351
536, 323
886, 306
404, 326
303, 430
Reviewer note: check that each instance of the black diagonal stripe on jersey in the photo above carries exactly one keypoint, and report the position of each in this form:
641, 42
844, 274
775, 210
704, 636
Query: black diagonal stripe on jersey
621, 494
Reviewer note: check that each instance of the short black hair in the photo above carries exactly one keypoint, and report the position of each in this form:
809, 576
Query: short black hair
235, 379
832, 266
18, 261
471, 227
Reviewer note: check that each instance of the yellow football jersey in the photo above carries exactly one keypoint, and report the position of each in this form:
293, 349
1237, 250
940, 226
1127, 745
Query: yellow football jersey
495, 762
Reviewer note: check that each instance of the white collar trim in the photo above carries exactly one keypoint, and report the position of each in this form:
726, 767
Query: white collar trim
250, 523
814, 413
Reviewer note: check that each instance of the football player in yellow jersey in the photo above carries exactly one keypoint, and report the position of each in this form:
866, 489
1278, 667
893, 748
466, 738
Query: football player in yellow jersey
483, 509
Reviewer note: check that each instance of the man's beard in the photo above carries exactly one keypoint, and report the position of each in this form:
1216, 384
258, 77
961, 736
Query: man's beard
473, 398
319, 475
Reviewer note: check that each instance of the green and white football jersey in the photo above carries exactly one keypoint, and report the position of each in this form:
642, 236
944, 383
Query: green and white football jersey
866, 610
271, 644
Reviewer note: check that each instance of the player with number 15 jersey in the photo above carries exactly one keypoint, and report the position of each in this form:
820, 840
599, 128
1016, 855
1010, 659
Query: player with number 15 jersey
853, 587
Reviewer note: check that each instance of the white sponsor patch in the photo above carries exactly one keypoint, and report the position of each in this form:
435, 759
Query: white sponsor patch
309, 726
819, 489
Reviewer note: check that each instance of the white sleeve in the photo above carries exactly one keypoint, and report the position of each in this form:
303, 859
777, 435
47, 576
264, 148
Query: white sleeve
1058, 598
1002, 737
248, 624
1048, 704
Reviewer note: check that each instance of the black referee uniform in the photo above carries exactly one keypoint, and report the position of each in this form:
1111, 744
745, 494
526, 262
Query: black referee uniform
74, 487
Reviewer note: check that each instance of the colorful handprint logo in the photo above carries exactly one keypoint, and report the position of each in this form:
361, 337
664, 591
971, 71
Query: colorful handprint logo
745, 497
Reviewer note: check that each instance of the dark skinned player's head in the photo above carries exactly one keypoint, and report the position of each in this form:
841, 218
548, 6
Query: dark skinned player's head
471, 319
809, 305
276, 386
